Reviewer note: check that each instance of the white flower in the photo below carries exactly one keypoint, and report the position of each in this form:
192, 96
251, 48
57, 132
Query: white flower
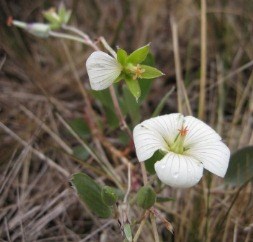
102, 69
189, 146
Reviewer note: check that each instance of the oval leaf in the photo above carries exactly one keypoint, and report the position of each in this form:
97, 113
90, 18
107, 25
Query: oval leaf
90, 193
240, 168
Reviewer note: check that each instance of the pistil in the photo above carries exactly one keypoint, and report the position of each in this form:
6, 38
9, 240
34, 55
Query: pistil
178, 145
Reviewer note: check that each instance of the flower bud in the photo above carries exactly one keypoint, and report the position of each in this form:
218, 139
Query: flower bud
146, 197
109, 196
37, 29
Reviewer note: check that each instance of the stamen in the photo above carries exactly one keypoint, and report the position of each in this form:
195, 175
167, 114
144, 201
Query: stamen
138, 72
183, 131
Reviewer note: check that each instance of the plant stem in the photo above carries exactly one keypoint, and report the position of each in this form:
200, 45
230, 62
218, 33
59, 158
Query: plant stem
66, 36
138, 232
123, 123
153, 222
202, 94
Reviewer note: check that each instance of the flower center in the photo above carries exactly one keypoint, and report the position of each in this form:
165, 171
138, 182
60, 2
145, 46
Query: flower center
136, 70
178, 145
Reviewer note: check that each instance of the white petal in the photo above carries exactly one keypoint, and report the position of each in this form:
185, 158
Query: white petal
198, 132
206, 146
147, 141
156, 133
179, 170
102, 70
214, 156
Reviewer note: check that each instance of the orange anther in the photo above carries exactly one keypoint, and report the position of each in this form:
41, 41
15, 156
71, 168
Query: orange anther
183, 131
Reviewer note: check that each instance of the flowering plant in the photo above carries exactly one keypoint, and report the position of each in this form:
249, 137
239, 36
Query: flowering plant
186, 145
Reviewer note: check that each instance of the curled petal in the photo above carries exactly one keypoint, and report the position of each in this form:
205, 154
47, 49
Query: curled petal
178, 170
214, 156
147, 141
198, 132
205, 145
102, 69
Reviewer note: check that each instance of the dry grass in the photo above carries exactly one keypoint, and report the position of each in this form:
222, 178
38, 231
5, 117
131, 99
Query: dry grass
39, 93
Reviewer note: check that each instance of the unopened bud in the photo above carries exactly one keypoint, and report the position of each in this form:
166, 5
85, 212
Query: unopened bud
37, 29
109, 195
146, 197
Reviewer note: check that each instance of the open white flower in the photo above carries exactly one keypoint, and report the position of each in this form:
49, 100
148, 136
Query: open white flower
102, 69
189, 146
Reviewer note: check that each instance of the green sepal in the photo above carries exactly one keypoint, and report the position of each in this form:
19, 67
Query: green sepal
64, 14
55, 26
150, 72
138, 55
109, 195
90, 193
119, 78
134, 87
146, 197
121, 56
51, 17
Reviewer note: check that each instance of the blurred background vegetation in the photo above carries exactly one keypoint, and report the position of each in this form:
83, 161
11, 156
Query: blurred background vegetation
39, 92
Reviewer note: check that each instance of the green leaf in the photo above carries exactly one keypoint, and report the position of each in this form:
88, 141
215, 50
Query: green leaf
150, 72
81, 153
80, 127
162, 103
164, 199
104, 97
128, 232
122, 56
90, 193
138, 55
146, 197
111, 118
134, 87
123, 138
240, 168
132, 107
149, 164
